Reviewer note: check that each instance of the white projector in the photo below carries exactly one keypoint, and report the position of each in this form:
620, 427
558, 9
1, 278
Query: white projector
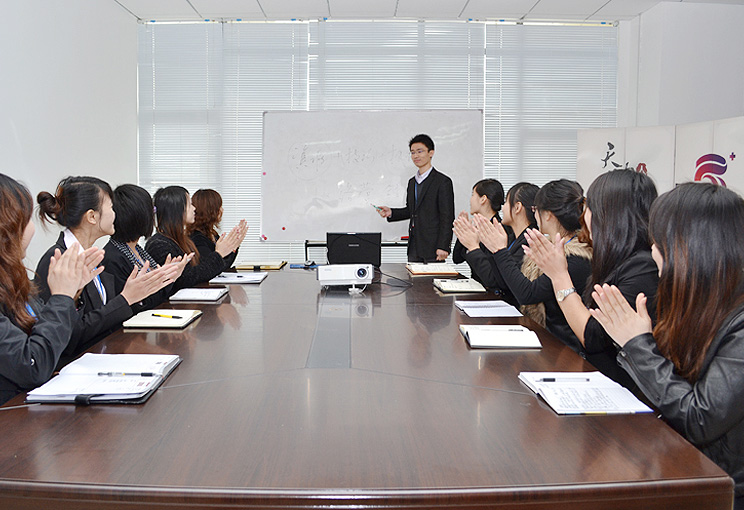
345, 274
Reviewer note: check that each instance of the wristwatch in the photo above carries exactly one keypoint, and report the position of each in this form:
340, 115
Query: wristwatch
564, 293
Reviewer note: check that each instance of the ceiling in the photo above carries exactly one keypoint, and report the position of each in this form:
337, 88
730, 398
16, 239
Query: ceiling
263, 10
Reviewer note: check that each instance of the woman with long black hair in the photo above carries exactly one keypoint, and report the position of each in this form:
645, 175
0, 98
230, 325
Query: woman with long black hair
616, 216
691, 364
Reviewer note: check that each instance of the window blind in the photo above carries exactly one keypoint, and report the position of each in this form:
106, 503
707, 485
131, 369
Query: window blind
203, 88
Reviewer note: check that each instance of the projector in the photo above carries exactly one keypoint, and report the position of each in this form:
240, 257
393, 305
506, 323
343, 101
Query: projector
345, 274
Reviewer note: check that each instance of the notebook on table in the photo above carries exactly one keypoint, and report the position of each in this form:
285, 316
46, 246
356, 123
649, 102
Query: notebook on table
461, 285
506, 336
107, 379
199, 295
238, 278
432, 269
162, 318
583, 393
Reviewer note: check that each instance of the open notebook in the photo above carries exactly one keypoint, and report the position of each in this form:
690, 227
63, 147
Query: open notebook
583, 393
107, 379
232, 278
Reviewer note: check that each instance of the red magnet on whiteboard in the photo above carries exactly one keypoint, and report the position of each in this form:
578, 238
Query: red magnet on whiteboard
284, 228
263, 237
264, 173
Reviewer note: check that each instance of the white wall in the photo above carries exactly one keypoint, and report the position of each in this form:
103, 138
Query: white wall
681, 62
68, 96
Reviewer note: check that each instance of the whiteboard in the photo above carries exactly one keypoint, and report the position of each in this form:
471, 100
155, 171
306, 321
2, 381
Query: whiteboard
323, 170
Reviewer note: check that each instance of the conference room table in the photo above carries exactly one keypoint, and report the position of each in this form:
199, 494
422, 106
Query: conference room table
290, 395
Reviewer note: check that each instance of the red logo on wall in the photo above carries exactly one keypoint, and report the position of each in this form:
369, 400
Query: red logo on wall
710, 167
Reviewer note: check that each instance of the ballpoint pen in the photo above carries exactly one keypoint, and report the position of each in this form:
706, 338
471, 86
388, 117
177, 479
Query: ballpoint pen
564, 379
118, 374
167, 316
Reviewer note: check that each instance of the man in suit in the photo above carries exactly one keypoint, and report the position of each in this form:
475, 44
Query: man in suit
430, 206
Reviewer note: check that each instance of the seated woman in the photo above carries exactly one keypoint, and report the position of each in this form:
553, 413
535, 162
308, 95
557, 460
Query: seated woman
690, 364
486, 199
203, 232
174, 211
558, 205
33, 334
617, 210
518, 216
83, 206
134, 218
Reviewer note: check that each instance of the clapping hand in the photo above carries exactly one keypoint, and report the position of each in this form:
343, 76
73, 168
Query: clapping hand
180, 262
72, 270
229, 242
144, 282
466, 232
493, 236
617, 317
549, 257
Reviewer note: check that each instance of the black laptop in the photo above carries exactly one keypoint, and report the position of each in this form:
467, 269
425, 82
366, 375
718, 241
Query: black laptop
354, 248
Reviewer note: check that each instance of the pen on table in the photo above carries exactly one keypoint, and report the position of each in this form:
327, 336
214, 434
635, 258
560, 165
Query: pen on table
119, 374
564, 379
167, 316
231, 276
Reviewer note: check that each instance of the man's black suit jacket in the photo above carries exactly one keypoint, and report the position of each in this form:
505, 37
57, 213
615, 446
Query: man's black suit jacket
430, 227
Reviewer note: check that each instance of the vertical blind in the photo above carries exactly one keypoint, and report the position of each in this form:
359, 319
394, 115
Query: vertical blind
203, 88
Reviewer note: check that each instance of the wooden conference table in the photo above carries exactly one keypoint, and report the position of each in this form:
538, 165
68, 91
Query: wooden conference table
290, 396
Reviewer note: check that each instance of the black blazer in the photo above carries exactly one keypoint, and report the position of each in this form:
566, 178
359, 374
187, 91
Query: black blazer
430, 227
27, 361
96, 320
205, 246
209, 266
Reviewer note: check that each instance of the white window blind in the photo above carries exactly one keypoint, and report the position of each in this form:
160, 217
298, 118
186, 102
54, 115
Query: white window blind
203, 88
543, 82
